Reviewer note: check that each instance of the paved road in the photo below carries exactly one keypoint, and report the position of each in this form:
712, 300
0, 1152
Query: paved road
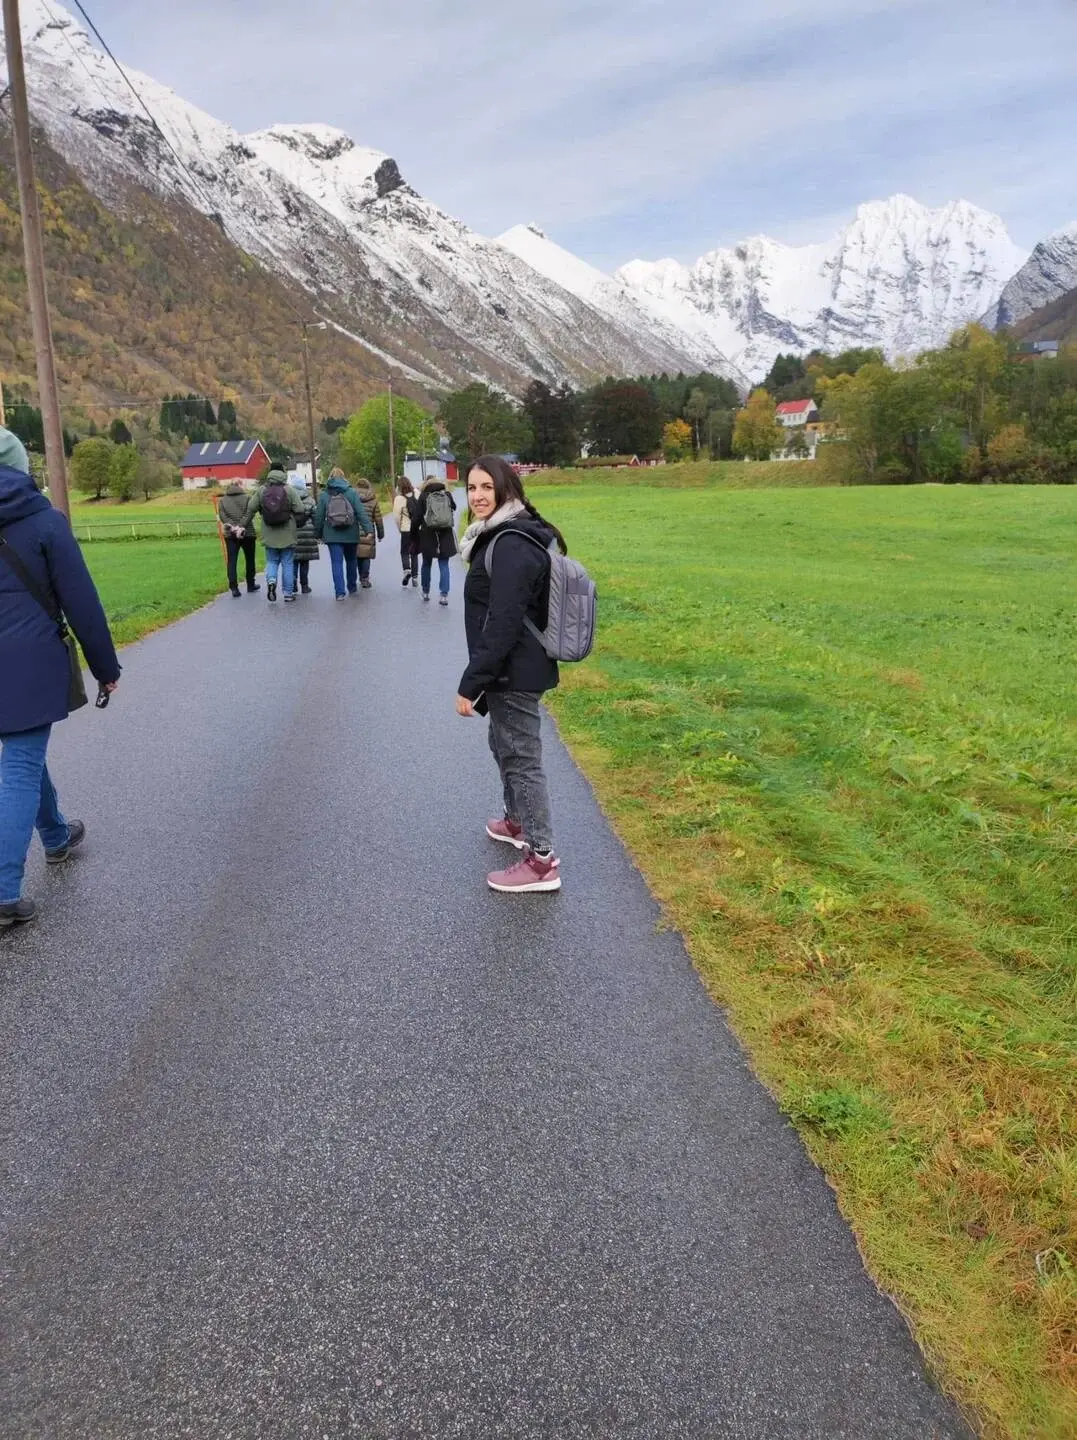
306, 1134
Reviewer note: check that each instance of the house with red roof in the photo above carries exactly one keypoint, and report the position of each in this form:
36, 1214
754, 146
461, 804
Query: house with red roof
791, 413
219, 462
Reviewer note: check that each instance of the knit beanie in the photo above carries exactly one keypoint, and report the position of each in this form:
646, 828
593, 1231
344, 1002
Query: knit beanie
13, 452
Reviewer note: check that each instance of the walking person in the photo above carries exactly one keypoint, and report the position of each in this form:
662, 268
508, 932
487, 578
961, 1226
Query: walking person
306, 541
43, 577
341, 520
281, 510
437, 536
368, 543
509, 670
239, 538
406, 515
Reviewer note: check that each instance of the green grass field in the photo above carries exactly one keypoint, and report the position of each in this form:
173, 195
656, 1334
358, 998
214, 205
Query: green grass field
836, 727
692, 474
147, 584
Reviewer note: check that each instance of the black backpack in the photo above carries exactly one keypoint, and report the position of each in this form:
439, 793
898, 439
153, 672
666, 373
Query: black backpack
276, 504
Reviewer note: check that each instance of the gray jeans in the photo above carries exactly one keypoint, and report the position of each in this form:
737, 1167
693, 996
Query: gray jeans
516, 742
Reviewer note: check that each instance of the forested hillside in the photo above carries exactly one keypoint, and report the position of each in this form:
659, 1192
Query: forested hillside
160, 302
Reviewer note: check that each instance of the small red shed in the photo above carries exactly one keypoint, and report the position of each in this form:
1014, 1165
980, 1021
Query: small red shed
220, 462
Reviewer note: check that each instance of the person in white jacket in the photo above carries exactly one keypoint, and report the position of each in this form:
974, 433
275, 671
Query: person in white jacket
405, 507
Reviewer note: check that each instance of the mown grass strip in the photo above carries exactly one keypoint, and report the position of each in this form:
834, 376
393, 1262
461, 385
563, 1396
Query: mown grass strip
836, 729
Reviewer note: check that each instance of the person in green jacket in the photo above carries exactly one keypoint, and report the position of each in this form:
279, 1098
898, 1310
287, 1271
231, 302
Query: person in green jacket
341, 530
238, 535
281, 508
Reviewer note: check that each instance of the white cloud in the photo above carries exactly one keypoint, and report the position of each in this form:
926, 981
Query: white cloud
583, 113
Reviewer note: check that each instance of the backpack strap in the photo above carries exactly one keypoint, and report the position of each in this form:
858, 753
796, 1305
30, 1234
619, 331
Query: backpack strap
44, 598
488, 557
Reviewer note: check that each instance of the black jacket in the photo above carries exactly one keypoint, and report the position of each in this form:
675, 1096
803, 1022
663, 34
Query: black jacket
435, 544
504, 654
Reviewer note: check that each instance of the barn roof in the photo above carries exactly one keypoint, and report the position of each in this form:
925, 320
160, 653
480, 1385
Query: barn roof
794, 407
220, 452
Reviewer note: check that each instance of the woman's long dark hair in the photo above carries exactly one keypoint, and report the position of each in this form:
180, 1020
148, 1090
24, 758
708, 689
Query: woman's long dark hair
508, 486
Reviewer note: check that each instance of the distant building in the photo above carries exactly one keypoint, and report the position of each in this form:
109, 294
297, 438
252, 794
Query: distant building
791, 413
1038, 350
299, 470
434, 465
220, 462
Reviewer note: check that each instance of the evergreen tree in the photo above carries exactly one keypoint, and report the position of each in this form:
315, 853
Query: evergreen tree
118, 433
482, 422
554, 416
623, 418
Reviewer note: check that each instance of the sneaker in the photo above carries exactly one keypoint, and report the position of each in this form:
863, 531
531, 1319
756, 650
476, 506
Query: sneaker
253, 588
414, 583
236, 592
342, 597
531, 872
76, 834
367, 584
507, 830
289, 597
305, 589
271, 593
406, 581
19, 912
426, 594
443, 599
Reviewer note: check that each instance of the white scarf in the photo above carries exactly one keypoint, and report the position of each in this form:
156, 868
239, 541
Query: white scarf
509, 511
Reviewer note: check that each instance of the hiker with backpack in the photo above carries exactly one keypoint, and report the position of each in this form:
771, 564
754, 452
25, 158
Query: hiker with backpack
526, 605
437, 536
406, 515
340, 519
281, 510
368, 543
306, 542
45, 587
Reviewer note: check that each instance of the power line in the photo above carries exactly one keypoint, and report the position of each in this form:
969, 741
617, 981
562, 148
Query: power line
213, 211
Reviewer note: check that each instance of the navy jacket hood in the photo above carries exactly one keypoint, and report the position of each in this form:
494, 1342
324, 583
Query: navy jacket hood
19, 496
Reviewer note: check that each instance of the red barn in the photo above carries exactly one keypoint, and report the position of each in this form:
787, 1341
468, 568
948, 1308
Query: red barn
219, 462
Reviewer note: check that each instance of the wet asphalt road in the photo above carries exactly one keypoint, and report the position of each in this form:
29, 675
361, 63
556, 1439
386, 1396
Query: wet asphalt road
305, 1133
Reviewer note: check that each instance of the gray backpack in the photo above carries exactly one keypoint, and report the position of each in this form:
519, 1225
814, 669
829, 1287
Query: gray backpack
339, 511
438, 510
573, 609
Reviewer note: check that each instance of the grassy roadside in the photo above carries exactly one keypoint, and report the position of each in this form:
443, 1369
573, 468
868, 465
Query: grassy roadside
149, 583
836, 729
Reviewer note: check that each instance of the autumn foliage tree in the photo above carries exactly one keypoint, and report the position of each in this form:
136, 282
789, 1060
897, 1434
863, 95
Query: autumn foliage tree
91, 466
756, 432
677, 440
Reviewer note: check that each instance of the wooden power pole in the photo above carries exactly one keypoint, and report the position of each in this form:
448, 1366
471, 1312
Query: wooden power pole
310, 409
392, 441
48, 390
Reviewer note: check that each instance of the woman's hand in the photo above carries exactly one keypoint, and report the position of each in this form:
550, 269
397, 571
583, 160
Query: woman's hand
464, 706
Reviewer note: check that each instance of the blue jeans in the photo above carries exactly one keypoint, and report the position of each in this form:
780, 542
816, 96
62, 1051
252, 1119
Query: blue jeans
284, 561
342, 559
424, 575
27, 799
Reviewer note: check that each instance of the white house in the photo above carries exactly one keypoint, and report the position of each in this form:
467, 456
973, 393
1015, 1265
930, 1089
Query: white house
792, 413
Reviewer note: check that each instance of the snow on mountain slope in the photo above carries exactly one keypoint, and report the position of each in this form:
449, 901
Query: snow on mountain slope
1049, 273
384, 264
900, 276
681, 326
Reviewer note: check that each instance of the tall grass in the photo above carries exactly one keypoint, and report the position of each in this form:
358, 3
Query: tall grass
836, 728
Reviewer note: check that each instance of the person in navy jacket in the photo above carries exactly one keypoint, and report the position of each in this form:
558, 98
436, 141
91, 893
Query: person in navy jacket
35, 671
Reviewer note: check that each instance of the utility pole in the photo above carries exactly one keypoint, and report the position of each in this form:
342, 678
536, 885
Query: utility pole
422, 443
310, 325
392, 440
48, 391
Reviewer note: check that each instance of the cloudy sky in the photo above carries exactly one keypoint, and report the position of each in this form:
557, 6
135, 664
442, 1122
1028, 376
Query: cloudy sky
647, 128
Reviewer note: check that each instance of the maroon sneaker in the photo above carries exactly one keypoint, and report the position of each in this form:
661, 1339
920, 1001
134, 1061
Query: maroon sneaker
532, 872
506, 830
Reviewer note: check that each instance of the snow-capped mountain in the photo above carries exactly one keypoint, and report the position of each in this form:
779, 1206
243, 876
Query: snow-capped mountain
900, 276
386, 266
1048, 274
